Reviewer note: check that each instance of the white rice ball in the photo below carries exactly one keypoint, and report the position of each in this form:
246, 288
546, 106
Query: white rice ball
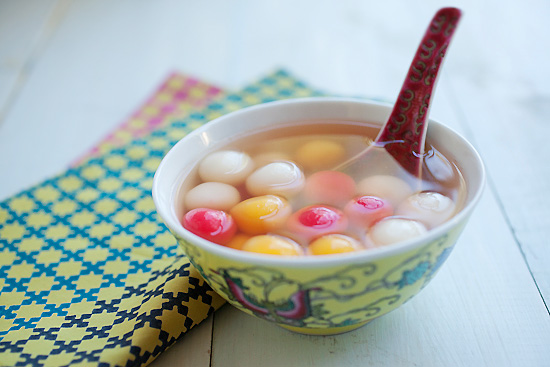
228, 166
430, 208
282, 178
212, 195
393, 230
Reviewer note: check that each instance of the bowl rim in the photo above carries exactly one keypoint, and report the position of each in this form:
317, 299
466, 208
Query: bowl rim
309, 261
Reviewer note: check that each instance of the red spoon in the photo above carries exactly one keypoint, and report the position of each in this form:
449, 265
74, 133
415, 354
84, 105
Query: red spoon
404, 134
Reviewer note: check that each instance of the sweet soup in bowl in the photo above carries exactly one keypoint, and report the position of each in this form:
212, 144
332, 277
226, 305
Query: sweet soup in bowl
280, 191
264, 205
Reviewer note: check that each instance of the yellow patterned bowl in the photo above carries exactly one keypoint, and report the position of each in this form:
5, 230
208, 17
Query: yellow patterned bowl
313, 295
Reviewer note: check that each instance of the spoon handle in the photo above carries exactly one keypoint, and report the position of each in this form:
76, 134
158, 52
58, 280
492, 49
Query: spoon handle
404, 136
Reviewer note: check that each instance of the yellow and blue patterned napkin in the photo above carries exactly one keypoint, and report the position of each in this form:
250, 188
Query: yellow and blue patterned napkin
88, 273
175, 98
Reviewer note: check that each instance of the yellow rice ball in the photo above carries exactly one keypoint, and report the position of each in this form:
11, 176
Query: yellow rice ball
333, 244
320, 154
272, 245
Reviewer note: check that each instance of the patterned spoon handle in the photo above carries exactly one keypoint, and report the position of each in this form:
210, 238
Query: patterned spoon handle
404, 134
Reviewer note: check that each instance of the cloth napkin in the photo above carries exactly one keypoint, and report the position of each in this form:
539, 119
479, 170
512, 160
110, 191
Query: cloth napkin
177, 96
89, 275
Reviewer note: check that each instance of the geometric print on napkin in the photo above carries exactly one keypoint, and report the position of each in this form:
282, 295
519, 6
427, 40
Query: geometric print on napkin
175, 98
89, 275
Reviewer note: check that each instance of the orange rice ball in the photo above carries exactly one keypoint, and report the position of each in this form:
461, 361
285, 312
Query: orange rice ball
261, 214
238, 241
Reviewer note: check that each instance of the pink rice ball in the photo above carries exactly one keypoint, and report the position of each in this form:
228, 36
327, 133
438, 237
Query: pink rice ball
329, 187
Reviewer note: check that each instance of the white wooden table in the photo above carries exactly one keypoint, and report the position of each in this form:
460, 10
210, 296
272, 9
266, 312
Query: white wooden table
71, 71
